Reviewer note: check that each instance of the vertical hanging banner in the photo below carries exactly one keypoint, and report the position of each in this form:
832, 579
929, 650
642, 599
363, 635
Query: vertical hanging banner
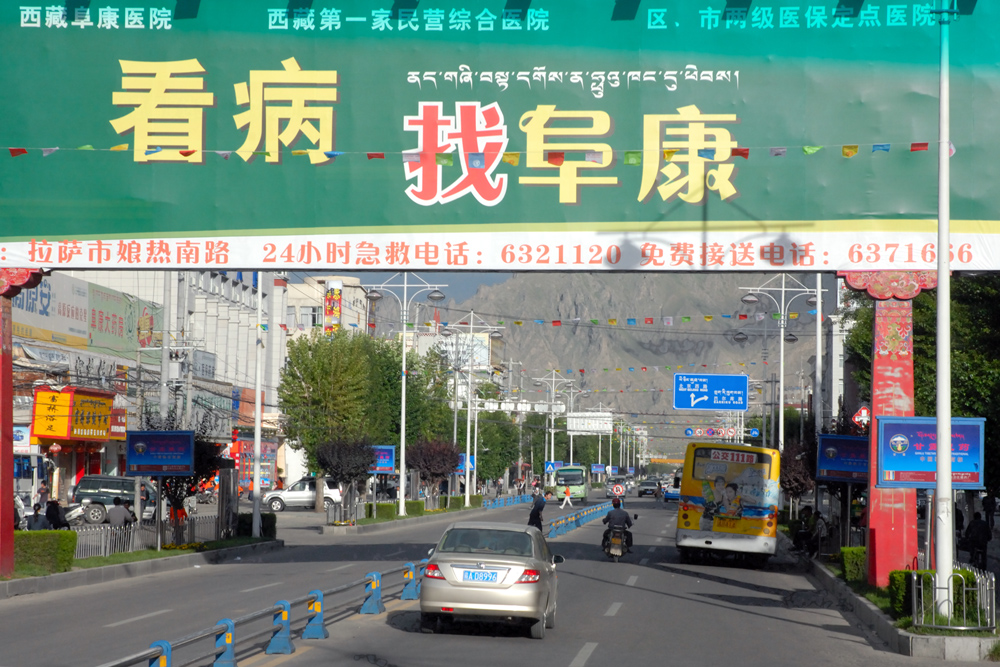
493, 136
331, 306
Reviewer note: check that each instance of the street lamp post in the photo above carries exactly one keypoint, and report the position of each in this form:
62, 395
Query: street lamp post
553, 379
404, 308
796, 290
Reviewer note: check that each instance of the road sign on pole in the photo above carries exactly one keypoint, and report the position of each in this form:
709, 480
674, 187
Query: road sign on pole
711, 392
862, 416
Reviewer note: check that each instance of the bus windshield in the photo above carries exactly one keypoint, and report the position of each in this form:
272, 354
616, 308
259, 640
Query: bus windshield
569, 478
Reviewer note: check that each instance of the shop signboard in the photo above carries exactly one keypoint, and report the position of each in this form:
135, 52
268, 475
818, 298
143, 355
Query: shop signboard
907, 449
842, 458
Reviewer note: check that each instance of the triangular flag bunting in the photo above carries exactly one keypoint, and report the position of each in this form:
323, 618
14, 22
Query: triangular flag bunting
120, 147
376, 156
330, 154
151, 151
444, 159
685, 318
295, 152
630, 321
556, 157
849, 151
613, 322
742, 152
512, 158
668, 154
880, 147
190, 153
88, 147
557, 323
594, 321
649, 320
595, 156
477, 160
225, 154
811, 150
411, 157
706, 153
779, 152
14, 152
633, 158
918, 146
48, 151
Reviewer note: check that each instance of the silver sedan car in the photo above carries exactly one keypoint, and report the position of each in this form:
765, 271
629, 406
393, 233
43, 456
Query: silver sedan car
483, 571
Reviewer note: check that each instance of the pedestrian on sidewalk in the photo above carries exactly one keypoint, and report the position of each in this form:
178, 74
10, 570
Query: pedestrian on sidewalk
566, 499
989, 508
56, 515
118, 515
977, 538
37, 521
535, 517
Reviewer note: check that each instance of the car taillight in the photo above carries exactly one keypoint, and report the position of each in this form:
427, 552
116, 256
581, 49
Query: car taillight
433, 572
530, 577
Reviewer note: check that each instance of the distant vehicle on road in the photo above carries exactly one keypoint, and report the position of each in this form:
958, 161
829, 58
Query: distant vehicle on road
648, 488
575, 477
301, 494
672, 487
610, 485
493, 572
728, 504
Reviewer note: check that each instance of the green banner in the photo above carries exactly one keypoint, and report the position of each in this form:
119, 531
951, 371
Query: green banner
661, 135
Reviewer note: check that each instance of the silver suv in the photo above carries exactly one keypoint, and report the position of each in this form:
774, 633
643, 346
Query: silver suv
301, 494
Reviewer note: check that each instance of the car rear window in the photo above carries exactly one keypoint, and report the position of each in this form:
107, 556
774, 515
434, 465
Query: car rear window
480, 541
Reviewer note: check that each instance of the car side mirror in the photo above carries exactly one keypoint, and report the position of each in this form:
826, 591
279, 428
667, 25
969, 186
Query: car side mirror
558, 559
85, 501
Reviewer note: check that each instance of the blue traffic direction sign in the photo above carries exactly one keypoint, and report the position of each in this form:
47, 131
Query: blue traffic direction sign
711, 392
754, 433
552, 466
689, 432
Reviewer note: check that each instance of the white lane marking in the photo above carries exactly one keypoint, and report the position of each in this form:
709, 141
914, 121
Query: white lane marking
663, 532
613, 609
139, 618
652, 549
257, 588
581, 658
341, 567
659, 539
643, 561
631, 580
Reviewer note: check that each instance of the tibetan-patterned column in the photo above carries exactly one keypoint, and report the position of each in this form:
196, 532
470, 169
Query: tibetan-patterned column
892, 513
12, 281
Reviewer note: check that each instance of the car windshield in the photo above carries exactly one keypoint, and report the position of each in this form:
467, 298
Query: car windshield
486, 541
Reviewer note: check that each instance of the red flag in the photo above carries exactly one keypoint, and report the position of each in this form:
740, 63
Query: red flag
649, 320
643, 369
742, 152
556, 157
581, 370
742, 316
376, 156
919, 146
14, 152
557, 323
187, 153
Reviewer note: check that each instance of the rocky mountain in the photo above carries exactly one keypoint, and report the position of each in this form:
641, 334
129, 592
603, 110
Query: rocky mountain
630, 367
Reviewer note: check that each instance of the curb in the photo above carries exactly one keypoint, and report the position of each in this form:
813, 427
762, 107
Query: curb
99, 575
916, 646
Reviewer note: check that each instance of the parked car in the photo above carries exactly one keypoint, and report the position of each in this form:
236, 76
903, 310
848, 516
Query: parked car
301, 494
493, 572
96, 493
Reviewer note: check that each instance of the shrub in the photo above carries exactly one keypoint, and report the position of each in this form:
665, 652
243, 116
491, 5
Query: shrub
268, 525
414, 508
385, 511
853, 561
51, 550
476, 501
901, 593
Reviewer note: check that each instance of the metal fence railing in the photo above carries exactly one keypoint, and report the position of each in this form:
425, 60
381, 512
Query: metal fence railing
973, 600
220, 642
105, 539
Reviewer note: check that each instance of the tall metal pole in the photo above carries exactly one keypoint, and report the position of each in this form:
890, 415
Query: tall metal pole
468, 414
165, 348
781, 374
258, 352
818, 389
943, 494
405, 306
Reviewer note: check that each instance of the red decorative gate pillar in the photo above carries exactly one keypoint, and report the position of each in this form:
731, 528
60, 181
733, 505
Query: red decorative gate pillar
892, 513
12, 281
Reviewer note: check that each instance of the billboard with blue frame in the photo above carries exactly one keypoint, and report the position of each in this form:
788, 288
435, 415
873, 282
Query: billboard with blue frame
157, 453
907, 452
842, 458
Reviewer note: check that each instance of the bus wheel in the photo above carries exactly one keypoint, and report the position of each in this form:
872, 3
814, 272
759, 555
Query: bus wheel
685, 554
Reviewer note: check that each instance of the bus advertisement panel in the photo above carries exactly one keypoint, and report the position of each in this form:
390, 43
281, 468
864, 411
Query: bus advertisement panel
729, 498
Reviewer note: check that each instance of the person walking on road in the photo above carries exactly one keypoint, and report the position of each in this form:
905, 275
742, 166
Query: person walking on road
118, 515
37, 521
535, 517
989, 509
566, 499
658, 494
977, 538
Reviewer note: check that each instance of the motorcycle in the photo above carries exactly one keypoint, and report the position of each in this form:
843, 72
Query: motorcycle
616, 545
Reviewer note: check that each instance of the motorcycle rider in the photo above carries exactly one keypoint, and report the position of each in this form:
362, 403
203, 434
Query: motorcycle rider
617, 517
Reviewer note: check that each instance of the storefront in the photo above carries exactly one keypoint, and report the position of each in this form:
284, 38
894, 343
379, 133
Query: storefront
71, 427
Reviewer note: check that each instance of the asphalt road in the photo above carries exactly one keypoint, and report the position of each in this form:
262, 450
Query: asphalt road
647, 609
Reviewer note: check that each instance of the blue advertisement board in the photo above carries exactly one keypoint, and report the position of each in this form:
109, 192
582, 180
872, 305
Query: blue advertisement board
706, 391
842, 458
158, 453
631, 470
907, 452
596, 469
461, 463
385, 459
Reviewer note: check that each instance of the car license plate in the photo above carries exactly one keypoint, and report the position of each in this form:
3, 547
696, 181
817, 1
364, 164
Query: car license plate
479, 576
616, 540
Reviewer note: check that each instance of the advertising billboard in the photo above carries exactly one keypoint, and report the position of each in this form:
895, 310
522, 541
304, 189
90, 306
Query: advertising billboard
589, 422
156, 453
677, 135
842, 458
907, 449
385, 459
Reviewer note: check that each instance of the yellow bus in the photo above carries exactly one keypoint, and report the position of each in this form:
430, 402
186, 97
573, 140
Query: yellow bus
729, 502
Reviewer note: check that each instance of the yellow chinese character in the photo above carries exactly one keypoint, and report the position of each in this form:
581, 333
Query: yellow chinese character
535, 125
714, 143
279, 98
168, 117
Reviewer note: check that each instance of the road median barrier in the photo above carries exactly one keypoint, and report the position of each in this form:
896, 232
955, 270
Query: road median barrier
573, 520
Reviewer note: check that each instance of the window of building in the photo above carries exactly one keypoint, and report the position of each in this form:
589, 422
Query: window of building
311, 316
290, 316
